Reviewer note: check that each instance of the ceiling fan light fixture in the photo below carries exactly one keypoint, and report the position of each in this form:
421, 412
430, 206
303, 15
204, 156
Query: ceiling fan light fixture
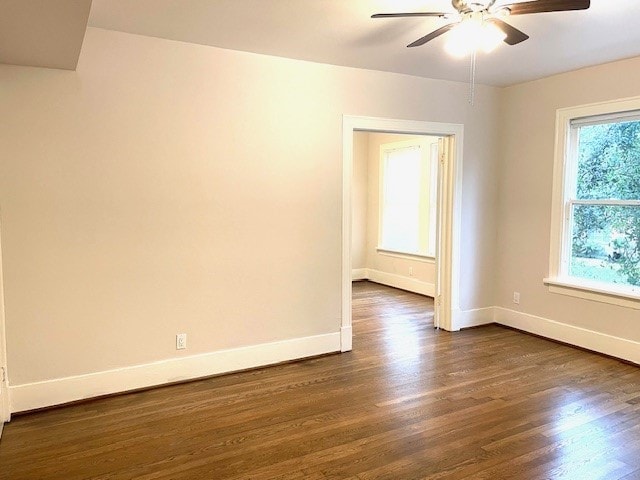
491, 37
462, 38
502, 12
471, 35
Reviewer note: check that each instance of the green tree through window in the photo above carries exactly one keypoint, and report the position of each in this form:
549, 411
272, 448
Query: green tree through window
605, 211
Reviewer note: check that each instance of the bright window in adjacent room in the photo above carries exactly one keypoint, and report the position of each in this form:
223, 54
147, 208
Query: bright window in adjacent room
599, 226
407, 182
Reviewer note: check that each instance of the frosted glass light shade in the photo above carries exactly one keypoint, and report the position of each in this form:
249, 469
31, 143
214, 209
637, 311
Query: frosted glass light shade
471, 35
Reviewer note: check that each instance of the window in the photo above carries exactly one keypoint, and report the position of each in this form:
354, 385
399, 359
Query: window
407, 192
596, 244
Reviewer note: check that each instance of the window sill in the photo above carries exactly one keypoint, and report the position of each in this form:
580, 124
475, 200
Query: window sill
408, 256
594, 291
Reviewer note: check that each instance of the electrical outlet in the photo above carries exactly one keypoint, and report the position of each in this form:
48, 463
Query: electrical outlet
411, 271
181, 341
516, 298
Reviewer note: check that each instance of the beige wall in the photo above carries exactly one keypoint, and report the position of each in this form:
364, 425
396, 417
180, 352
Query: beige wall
526, 168
166, 187
359, 198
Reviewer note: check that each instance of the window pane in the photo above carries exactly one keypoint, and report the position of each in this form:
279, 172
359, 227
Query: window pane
609, 161
401, 209
606, 244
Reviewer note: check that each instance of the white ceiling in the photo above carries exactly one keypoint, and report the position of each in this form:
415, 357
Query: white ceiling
341, 32
50, 33
42, 33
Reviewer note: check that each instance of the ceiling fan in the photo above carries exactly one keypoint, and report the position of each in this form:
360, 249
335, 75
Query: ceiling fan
480, 24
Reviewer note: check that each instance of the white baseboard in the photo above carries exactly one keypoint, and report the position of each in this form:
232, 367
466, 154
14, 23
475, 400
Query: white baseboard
5, 411
359, 274
473, 318
581, 337
398, 281
596, 341
346, 339
63, 390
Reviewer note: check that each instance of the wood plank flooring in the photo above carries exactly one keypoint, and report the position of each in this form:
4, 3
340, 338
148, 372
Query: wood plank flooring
409, 402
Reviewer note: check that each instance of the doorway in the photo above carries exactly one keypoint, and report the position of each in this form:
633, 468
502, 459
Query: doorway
394, 214
446, 278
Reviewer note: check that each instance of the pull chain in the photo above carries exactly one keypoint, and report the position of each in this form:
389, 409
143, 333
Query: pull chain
472, 78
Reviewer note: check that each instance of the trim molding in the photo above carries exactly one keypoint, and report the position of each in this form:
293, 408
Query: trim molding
474, 318
68, 389
595, 293
617, 347
406, 256
5, 400
398, 281
359, 274
346, 339
449, 205
581, 337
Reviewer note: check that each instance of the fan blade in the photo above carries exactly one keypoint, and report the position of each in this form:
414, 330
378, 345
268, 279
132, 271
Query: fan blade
418, 14
432, 35
540, 6
514, 36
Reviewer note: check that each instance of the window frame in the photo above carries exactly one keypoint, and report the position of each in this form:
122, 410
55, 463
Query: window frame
563, 200
426, 160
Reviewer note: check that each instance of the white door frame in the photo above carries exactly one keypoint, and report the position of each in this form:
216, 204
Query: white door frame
5, 410
449, 213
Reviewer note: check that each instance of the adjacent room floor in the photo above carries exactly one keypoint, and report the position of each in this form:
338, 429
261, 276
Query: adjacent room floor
408, 402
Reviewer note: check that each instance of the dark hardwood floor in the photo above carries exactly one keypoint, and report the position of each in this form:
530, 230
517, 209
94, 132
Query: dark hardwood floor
409, 402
